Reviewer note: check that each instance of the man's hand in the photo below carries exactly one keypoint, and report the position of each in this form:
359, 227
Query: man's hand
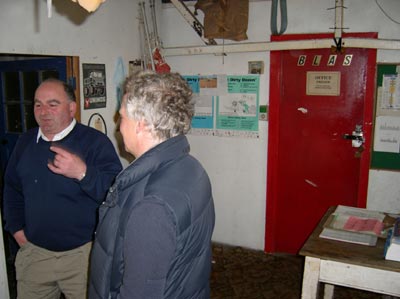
19, 236
67, 164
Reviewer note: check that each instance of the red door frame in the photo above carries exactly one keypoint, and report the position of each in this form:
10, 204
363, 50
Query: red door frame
273, 129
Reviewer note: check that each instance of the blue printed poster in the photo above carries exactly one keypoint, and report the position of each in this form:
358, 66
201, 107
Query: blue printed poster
204, 105
238, 109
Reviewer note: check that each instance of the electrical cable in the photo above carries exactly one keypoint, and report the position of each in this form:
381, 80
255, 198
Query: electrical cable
386, 14
274, 13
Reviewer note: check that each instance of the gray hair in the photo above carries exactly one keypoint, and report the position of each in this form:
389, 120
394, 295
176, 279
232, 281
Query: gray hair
163, 101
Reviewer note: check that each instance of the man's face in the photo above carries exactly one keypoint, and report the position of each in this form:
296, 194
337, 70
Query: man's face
53, 110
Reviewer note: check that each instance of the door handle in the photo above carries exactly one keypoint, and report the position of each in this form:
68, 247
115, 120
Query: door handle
353, 137
357, 137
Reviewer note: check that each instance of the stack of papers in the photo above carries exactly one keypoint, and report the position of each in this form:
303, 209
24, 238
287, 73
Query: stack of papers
354, 225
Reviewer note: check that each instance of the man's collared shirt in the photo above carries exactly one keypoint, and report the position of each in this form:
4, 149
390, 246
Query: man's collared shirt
58, 136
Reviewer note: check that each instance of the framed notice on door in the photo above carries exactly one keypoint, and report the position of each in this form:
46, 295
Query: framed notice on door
323, 83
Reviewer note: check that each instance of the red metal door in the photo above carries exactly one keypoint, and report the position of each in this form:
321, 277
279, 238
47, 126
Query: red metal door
316, 97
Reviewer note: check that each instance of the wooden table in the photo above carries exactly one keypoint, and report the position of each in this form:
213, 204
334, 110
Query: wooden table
346, 264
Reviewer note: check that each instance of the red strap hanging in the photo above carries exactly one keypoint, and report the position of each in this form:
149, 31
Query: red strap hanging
159, 62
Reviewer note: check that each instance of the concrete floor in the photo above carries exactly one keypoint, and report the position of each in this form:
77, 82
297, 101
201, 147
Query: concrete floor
239, 273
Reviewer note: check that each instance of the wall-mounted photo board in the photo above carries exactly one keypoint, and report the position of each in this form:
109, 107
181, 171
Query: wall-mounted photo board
386, 143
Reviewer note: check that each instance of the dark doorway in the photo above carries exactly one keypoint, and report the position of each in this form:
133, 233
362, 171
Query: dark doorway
19, 77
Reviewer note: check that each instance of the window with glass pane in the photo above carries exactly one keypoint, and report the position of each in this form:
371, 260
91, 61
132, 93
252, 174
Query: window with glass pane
13, 118
12, 99
49, 74
30, 83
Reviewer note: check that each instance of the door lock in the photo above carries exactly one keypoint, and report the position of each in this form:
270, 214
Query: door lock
357, 137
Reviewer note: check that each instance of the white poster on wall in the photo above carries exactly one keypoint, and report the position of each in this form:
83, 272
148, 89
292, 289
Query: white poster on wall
387, 134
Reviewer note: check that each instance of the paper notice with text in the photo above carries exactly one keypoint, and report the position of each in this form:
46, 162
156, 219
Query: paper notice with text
387, 134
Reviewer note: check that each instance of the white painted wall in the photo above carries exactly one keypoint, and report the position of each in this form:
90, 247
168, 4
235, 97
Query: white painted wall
237, 166
99, 37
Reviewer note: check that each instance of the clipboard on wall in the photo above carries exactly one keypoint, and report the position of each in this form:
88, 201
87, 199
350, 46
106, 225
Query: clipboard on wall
386, 142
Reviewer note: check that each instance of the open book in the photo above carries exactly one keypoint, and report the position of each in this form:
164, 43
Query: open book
354, 225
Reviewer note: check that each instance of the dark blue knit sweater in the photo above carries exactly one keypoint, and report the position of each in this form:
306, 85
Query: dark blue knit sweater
56, 212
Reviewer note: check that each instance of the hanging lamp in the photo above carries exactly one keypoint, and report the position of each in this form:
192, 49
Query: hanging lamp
89, 5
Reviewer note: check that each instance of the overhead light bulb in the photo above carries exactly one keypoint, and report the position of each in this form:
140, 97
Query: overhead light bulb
89, 5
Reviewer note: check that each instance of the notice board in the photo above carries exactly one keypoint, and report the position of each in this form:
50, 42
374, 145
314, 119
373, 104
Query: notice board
386, 143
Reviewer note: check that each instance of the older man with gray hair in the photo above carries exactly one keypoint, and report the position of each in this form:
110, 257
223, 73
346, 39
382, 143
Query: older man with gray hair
154, 235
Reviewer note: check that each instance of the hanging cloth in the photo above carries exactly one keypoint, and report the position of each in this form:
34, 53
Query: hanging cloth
224, 19
274, 12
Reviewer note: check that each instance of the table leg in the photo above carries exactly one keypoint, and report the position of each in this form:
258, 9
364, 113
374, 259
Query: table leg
328, 291
310, 278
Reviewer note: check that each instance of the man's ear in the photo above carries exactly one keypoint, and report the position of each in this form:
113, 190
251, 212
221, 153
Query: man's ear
72, 108
139, 126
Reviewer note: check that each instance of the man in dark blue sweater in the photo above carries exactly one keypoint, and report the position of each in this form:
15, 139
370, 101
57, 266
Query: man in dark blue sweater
57, 176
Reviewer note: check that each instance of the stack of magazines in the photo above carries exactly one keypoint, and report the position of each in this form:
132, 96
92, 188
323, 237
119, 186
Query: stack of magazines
354, 225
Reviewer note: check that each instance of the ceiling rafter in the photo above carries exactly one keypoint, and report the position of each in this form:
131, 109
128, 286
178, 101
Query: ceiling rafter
337, 41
